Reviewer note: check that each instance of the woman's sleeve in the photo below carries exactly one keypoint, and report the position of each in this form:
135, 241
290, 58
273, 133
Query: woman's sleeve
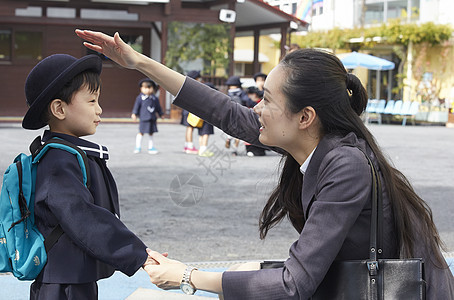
342, 191
217, 109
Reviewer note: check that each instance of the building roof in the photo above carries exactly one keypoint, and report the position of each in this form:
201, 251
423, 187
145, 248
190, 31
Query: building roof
250, 14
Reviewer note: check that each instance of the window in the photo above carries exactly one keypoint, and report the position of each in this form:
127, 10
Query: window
244, 69
5, 44
21, 45
28, 45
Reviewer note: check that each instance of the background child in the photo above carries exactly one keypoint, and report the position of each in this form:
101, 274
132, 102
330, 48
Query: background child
256, 95
204, 133
146, 108
63, 92
238, 95
259, 79
189, 147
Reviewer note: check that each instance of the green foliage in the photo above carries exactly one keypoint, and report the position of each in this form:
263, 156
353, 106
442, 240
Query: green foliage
394, 33
191, 41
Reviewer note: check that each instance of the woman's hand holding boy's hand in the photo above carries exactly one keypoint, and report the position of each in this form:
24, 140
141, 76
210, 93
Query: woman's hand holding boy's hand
165, 273
151, 261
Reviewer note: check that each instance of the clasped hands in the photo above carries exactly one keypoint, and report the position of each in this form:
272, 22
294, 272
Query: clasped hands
165, 273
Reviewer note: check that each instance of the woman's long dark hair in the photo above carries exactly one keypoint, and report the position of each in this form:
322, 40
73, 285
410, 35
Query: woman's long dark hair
318, 79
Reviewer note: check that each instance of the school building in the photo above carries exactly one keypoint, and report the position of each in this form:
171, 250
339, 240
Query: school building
34, 29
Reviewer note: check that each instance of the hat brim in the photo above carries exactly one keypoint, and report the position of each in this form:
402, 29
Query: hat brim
32, 119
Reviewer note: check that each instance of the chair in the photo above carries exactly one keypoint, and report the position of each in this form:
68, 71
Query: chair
397, 109
413, 108
389, 107
370, 109
405, 110
381, 106
371, 105
379, 109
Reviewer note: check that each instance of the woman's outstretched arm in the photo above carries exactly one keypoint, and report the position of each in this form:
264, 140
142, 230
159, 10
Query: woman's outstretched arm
123, 54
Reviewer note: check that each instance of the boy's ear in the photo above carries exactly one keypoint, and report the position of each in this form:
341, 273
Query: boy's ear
57, 109
307, 117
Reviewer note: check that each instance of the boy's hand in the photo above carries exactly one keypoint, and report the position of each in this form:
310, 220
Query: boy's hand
151, 261
133, 117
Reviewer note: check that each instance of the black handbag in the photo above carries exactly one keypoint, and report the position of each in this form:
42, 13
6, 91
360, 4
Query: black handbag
374, 278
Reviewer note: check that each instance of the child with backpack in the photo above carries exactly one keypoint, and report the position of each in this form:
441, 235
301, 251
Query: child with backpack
63, 92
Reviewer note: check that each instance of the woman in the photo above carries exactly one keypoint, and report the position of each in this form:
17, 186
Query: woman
310, 113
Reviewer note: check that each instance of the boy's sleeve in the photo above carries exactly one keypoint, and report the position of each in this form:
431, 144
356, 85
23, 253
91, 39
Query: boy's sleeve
93, 228
158, 107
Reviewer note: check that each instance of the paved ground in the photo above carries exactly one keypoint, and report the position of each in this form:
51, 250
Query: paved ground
214, 216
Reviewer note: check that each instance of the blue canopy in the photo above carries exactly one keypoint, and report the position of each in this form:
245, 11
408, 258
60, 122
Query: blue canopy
355, 59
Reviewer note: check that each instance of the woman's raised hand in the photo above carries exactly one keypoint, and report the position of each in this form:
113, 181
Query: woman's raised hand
112, 47
123, 54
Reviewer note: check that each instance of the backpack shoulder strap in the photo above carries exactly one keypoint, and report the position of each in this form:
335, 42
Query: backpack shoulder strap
38, 150
53, 237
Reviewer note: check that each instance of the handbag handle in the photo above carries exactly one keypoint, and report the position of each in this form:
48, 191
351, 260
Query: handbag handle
376, 225
376, 218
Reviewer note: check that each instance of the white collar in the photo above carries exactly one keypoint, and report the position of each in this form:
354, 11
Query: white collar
305, 164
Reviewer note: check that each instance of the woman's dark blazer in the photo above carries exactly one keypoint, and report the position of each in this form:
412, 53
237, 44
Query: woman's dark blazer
336, 199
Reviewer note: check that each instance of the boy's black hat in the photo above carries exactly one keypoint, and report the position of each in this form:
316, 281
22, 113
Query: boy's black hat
194, 74
234, 80
259, 74
47, 78
154, 84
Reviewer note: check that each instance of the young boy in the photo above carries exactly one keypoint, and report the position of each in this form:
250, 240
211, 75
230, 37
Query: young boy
63, 92
259, 79
189, 147
238, 95
146, 108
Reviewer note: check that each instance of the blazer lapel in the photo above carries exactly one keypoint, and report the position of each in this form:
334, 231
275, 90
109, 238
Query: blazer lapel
310, 178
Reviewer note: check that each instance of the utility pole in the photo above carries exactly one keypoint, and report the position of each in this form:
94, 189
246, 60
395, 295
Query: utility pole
408, 86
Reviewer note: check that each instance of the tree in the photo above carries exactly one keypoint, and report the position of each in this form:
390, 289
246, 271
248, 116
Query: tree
191, 41
401, 36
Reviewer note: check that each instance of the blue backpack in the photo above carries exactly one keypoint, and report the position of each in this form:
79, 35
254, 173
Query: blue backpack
23, 249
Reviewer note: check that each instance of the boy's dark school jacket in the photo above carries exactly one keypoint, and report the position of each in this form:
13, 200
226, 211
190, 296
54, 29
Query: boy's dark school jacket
95, 242
147, 108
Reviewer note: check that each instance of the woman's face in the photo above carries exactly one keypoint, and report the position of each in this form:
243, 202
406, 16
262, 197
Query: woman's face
279, 126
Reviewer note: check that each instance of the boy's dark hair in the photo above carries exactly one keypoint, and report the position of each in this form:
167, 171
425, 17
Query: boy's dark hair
90, 79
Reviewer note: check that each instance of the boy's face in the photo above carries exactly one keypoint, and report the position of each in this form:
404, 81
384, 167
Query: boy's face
260, 82
82, 115
253, 97
146, 89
